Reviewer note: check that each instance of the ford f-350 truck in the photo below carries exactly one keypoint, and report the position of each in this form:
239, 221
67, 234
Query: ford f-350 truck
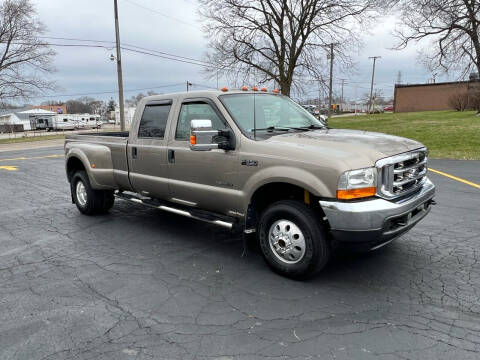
259, 162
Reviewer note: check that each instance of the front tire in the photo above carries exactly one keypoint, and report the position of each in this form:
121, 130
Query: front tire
88, 200
293, 240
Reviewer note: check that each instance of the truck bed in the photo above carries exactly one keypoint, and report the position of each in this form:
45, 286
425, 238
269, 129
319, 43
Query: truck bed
120, 137
108, 150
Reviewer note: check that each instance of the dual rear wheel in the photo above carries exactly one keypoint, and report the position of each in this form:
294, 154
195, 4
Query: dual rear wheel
88, 200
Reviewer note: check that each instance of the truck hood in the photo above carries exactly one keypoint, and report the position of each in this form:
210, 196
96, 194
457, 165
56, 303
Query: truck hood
356, 148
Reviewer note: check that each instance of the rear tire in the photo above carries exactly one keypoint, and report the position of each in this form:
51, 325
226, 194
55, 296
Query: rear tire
108, 201
293, 240
88, 200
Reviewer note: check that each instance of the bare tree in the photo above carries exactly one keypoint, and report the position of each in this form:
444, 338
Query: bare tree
452, 26
280, 40
24, 57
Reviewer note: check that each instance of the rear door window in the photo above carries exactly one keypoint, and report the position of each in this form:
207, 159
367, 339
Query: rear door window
154, 121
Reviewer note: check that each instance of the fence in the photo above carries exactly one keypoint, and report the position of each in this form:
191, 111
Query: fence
7, 128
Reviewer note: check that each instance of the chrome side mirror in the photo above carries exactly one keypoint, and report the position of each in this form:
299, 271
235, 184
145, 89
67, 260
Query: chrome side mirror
201, 135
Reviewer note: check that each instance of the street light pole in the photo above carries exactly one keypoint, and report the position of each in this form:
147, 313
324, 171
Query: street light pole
373, 76
119, 69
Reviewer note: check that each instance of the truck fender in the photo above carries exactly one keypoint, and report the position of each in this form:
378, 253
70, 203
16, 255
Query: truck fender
288, 175
97, 161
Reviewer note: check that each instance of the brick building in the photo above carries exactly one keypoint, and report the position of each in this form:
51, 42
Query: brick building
59, 109
429, 97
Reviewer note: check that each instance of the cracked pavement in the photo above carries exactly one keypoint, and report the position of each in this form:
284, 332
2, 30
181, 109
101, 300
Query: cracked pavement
142, 284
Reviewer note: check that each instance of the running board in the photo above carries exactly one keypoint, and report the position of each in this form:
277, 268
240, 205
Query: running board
207, 217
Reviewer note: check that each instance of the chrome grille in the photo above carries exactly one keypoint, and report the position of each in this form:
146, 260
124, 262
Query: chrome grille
401, 174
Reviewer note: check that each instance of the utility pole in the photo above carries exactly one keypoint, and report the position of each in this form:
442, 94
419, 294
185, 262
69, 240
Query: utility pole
188, 85
319, 96
373, 77
331, 82
119, 69
342, 101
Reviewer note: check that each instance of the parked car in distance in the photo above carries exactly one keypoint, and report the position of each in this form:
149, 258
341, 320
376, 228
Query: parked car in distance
388, 108
258, 162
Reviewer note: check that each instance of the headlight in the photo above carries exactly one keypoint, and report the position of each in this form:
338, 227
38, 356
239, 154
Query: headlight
356, 184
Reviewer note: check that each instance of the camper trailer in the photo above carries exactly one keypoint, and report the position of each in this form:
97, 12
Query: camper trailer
60, 122
87, 121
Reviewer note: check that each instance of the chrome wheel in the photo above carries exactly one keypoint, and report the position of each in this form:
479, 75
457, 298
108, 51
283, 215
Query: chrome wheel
287, 241
81, 193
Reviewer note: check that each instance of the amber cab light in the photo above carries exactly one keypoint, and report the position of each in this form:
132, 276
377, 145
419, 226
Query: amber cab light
224, 89
264, 89
244, 88
356, 193
193, 140
276, 91
254, 88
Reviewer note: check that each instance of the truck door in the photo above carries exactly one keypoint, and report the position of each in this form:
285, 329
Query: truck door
203, 179
147, 151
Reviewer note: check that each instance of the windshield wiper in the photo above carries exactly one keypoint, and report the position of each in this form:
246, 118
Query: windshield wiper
309, 127
272, 128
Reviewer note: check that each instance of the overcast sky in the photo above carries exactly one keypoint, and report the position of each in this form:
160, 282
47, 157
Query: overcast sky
174, 27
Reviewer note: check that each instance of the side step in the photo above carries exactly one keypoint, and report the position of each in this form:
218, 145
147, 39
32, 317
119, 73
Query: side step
211, 218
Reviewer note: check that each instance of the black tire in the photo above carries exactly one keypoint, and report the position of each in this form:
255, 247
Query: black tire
96, 202
108, 201
316, 251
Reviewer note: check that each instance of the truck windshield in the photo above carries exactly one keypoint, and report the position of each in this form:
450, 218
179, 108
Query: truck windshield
268, 112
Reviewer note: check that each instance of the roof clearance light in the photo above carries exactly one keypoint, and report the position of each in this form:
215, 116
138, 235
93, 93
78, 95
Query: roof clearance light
224, 89
264, 89
254, 88
276, 91
244, 88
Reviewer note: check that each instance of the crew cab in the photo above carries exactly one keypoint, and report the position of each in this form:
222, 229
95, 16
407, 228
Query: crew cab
259, 162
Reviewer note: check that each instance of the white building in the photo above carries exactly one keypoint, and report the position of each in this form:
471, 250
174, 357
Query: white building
129, 114
27, 118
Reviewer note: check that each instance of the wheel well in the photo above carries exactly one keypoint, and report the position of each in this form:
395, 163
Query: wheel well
273, 192
74, 164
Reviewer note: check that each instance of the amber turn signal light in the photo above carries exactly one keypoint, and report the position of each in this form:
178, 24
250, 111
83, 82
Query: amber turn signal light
356, 193
193, 140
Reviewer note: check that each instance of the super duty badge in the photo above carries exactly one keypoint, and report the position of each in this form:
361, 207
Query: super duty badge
250, 162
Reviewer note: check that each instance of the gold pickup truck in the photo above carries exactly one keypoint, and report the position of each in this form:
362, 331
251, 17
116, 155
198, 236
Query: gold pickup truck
259, 162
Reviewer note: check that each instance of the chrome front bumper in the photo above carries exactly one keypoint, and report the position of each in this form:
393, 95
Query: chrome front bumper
377, 221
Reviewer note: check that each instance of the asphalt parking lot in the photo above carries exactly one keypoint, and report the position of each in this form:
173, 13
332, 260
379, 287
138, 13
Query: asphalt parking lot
142, 284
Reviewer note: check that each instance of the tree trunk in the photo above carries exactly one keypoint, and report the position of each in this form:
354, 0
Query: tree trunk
285, 87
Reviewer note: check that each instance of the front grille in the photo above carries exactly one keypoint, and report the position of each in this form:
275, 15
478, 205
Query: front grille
402, 174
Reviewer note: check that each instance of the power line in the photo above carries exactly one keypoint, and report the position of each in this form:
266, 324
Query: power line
161, 14
126, 44
137, 49
107, 92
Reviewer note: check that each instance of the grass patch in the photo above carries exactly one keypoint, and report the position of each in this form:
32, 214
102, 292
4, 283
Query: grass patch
447, 134
31, 138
